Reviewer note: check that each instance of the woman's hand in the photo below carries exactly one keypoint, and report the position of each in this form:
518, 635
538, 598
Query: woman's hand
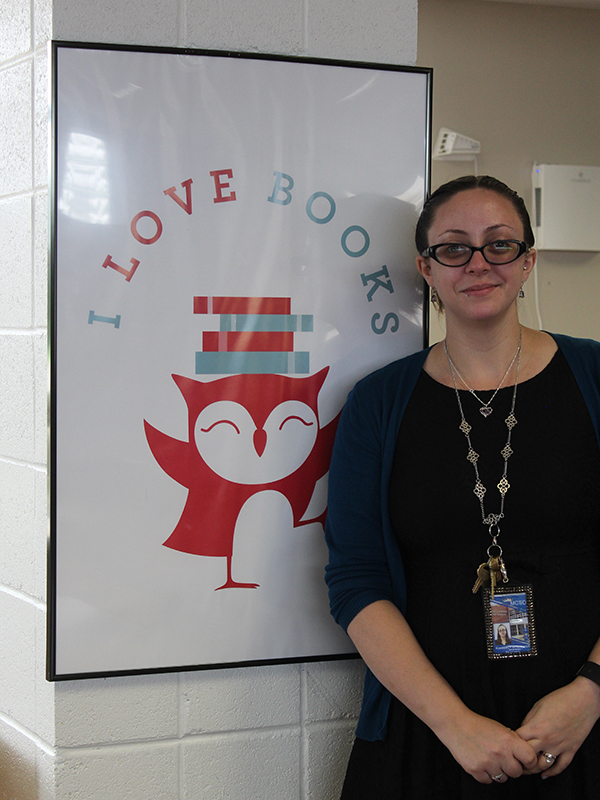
485, 748
559, 723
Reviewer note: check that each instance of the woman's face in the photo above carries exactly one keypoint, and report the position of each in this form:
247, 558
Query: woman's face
502, 632
478, 290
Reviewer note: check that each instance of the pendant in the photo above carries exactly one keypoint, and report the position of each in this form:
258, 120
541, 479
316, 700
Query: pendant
485, 411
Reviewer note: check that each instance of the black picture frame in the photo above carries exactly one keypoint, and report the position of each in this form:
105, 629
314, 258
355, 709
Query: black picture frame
179, 178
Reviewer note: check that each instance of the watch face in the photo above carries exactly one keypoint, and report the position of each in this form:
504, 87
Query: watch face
232, 251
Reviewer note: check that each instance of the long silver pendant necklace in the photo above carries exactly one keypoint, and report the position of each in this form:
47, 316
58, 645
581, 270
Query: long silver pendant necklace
494, 568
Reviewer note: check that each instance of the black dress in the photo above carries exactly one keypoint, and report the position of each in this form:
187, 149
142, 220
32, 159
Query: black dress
551, 539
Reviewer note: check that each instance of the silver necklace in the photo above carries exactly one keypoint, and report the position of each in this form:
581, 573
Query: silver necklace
486, 408
491, 520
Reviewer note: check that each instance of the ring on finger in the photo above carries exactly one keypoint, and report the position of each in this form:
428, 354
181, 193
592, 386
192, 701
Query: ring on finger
498, 778
550, 759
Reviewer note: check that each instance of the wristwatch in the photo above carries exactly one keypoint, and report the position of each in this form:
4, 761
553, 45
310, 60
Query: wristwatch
590, 670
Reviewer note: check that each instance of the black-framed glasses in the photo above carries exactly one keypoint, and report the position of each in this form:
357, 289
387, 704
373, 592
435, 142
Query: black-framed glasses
458, 254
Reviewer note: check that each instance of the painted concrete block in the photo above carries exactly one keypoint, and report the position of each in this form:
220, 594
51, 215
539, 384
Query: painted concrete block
40, 257
334, 690
17, 659
353, 29
268, 26
44, 690
15, 24
328, 751
40, 355
106, 710
15, 246
15, 127
234, 699
155, 22
17, 514
41, 105
45, 775
16, 397
118, 773
42, 22
242, 766
39, 545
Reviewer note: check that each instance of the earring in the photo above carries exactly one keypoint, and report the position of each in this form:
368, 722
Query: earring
521, 292
433, 295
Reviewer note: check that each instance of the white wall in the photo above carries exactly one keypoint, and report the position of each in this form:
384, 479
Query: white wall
270, 733
26, 701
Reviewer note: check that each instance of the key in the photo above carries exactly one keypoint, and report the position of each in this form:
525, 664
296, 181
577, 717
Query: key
503, 571
483, 576
494, 568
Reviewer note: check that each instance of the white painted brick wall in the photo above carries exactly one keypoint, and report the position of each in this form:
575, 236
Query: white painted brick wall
265, 733
15, 124
18, 546
16, 289
17, 397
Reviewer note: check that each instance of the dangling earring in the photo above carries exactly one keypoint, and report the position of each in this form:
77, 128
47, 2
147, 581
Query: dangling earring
521, 292
433, 295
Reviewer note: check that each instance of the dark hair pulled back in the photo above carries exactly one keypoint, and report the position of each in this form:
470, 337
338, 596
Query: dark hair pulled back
448, 190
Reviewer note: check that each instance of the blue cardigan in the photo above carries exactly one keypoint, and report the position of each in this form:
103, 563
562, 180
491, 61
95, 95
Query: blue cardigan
365, 564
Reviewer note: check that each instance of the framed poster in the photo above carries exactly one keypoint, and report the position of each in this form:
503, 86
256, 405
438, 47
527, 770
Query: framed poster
232, 249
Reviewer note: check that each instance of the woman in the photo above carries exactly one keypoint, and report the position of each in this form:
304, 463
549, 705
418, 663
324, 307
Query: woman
431, 477
502, 637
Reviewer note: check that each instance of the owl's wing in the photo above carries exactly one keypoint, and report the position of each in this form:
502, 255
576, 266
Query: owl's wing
175, 457
299, 487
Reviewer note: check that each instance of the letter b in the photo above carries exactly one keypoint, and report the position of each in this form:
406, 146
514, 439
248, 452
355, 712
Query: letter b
286, 190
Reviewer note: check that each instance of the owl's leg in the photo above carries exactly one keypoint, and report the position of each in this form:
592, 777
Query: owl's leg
231, 584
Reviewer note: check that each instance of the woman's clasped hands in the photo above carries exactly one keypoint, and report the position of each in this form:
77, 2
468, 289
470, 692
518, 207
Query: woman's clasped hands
546, 742
488, 750
558, 724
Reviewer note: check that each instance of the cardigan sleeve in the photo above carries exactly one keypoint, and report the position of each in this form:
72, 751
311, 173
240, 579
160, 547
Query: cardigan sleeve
358, 572
583, 356
365, 564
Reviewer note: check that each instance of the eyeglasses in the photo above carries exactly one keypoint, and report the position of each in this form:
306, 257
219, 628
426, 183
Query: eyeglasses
457, 254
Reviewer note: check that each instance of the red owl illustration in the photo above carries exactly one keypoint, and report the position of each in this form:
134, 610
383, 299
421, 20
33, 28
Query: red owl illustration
246, 434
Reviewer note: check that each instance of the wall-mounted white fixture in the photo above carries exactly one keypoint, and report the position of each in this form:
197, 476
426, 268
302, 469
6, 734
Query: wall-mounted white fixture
566, 207
452, 146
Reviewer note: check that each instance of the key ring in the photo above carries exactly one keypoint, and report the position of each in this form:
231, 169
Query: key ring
494, 540
497, 555
497, 546
494, 536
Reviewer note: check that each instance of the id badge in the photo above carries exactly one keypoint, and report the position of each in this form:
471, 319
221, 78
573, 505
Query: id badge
509, 622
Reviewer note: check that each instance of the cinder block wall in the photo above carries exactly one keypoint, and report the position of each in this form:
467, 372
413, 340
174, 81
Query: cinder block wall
272, 732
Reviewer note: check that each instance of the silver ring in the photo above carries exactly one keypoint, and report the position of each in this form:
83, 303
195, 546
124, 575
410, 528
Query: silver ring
498, 778
550, 759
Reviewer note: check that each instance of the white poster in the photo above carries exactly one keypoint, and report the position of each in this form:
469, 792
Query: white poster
232, 250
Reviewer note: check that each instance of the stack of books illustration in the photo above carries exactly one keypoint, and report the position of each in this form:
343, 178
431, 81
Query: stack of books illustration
256, 335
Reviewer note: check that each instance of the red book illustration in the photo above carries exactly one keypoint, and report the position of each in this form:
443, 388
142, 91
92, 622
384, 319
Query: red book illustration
248, 341
242, 305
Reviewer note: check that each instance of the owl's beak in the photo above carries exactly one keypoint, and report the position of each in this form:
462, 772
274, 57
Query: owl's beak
260, 441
